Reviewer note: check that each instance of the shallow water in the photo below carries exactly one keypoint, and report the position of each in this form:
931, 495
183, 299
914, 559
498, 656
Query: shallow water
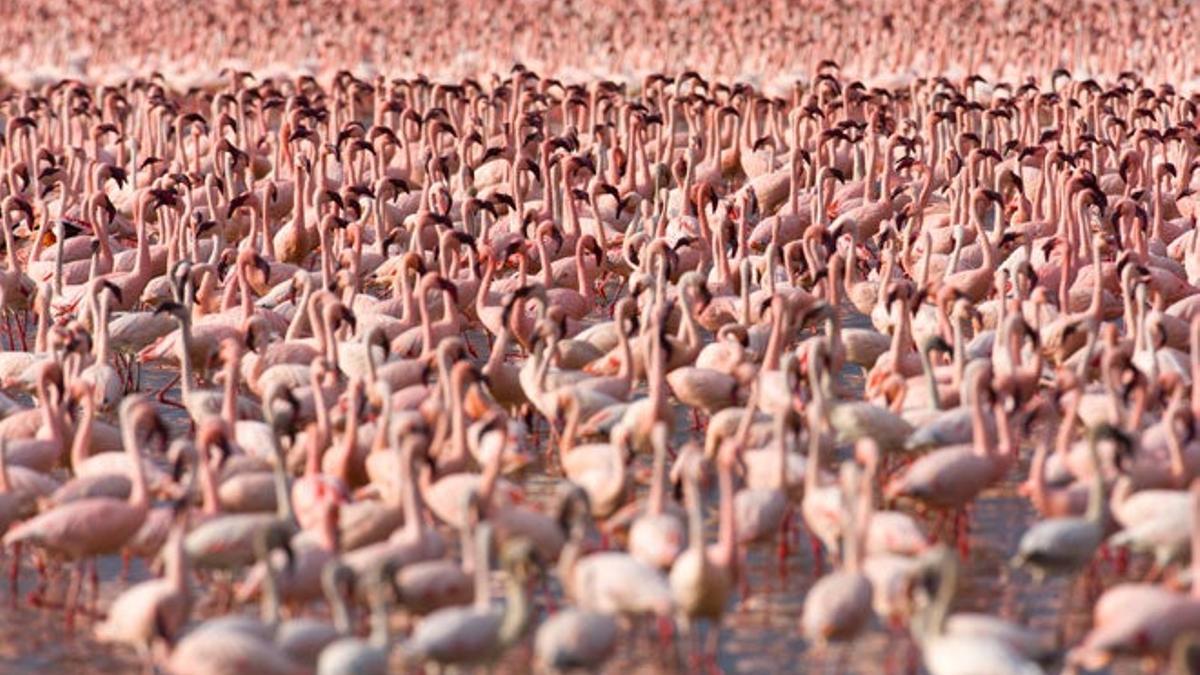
760, 633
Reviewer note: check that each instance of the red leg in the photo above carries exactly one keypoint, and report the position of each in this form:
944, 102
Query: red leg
962, 533
785, 530
551, 606
94, 577
14, 571
161, 394
10, 331
36, 595
744, 577
73, 594
666, 632
22, 331
818, 563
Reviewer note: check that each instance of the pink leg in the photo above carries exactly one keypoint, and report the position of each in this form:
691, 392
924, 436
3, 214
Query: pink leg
551, 606
666, 632
963, 533
743, 576
712, 644
818, 563
23, 331
785, 531
10, 331
161, 394
73, 593
36, 595
94, 577
619, 291
14, 571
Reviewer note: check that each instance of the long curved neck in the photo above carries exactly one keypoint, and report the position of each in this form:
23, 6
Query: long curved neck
349, 442
208, 484
695, 519
989, 252
82, 442
1195, 505
517, 611
299, 199
947, 582
726, 521
302, 312
626, 370
482, 565
410, 494
426, 323
774, 341
458, 419
983, 440
10, 244
380, 624
930, 380
138, 494
1095, 503
901, 338
185, 356
283, 492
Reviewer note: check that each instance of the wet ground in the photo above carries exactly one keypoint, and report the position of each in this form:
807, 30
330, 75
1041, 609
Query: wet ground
760, 634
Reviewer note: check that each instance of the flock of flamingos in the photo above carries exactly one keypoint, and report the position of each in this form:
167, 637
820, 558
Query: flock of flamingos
364, 370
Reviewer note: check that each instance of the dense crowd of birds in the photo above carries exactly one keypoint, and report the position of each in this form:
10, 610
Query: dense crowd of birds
770, 44
342, 357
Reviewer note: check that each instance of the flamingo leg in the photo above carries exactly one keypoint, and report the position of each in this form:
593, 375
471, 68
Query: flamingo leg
620, 288
712, 641
9, 331
743, 576
1122, 561
73, 593
22, 331
161, 394
94, 577
14, 571
666, 632
962, 532
815, 545
551, 606
36, 596
785, 529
